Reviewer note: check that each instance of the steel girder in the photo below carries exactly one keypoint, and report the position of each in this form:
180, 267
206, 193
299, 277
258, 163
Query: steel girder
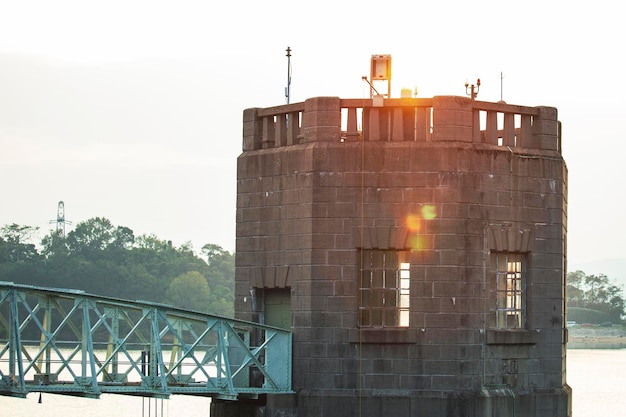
73, 343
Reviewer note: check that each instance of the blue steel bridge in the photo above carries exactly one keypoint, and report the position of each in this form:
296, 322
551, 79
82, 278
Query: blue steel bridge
73, 343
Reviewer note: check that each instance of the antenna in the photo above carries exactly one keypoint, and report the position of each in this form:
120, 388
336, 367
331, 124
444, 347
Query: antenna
473, 92
288, 88
60, 221
501, 85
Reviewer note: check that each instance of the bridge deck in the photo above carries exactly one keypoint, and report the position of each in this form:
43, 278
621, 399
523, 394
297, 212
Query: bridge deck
69, 342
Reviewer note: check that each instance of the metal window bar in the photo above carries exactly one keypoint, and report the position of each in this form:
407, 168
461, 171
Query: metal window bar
510, 289
384, 289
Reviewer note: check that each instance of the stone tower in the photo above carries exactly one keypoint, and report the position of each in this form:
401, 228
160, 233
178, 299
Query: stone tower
417, 250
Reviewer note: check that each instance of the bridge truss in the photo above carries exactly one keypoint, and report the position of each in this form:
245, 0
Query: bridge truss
73, 343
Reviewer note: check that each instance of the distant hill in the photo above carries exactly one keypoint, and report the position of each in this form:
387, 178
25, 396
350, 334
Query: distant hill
614, 269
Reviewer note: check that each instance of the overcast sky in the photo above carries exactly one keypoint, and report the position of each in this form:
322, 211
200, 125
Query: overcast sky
131, 110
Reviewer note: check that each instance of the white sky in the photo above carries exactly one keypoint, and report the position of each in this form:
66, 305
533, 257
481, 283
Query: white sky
131, 110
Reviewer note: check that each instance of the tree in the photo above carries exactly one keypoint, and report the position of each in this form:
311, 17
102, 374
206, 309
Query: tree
14, 246
20, 261
91, 236
109, 260
615, 301
151, 242
213, 252
595, 292
596, 285
190, 291
123, 238
576, 278
222, 265
54, 244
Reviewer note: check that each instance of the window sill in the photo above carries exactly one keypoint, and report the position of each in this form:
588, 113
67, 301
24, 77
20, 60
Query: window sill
512, 337
383, 336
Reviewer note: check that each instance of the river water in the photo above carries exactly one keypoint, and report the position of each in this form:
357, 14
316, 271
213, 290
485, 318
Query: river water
108, 405
597, 379
596, 376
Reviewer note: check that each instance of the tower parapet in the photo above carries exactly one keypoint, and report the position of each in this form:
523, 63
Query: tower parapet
443, 118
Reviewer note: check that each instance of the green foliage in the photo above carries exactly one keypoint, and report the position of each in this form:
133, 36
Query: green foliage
190, 290
14, 247
594, 292
102, 259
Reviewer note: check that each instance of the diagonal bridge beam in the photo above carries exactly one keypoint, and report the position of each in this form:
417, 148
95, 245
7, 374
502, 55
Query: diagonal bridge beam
73, 343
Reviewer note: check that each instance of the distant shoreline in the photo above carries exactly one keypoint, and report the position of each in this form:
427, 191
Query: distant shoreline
597, 343
597, 338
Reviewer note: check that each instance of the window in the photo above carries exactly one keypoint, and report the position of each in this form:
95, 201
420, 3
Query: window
510, 291
385, 277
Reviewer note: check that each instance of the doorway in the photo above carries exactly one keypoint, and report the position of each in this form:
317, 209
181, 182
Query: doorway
277, 307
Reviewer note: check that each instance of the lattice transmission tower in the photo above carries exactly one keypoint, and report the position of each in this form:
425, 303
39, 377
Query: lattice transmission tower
60, 221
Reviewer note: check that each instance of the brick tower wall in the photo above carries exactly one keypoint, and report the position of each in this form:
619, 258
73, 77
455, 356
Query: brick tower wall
313, 191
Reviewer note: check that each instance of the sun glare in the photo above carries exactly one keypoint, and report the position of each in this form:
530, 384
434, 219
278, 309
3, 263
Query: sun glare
429, 212
417, 242
415, 225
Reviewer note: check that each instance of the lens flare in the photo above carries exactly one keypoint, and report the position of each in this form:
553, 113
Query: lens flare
429, 212
413, 223
417, 243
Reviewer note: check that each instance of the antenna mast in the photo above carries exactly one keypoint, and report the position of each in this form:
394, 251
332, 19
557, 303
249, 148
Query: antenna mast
288, 88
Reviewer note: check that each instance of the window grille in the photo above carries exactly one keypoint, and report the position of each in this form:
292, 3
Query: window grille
385, 277
510, 291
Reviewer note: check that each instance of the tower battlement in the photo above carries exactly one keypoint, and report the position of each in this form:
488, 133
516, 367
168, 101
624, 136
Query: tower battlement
443, 118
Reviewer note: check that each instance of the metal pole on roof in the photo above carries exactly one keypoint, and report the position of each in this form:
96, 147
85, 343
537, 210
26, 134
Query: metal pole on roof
288, 89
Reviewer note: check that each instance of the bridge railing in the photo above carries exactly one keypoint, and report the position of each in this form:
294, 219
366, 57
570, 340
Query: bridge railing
441, 118
69, 342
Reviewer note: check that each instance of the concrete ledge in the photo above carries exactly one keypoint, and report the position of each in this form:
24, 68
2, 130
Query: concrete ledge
512, 337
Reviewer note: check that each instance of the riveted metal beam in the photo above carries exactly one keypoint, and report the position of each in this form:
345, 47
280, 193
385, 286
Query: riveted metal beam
73, 343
